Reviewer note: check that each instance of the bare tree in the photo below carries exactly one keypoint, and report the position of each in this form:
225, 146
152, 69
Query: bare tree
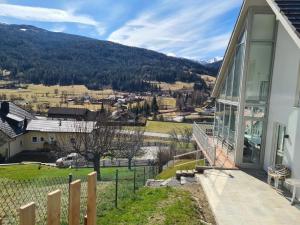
186, 136
72, 139
129, 144
93, 140
100, 142
181, 136
163, 157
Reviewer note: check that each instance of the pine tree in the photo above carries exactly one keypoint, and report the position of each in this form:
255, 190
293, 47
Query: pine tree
154, 106
146, 108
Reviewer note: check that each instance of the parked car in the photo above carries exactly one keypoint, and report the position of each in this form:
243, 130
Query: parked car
71, 160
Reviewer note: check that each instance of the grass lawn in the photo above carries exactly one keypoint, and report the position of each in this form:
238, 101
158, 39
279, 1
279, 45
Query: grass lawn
155, 206
188, 164
20, 172
165, 127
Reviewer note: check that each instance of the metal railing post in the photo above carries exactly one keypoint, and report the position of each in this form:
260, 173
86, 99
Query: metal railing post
134, 177
144, 175
116, 191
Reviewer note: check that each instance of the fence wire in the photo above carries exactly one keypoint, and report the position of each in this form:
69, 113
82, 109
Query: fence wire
110, 193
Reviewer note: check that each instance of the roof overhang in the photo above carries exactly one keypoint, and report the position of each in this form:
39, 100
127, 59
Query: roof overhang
284, 21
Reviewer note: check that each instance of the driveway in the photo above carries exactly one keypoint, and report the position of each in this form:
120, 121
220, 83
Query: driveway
237, 198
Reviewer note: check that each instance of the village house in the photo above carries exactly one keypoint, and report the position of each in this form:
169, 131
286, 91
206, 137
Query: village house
65, 113
21, 131
13, 124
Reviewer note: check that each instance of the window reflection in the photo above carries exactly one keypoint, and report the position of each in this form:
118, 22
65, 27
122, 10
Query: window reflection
252, 141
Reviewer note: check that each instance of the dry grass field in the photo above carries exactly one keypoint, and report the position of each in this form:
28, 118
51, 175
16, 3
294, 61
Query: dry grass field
175, 86
52, 95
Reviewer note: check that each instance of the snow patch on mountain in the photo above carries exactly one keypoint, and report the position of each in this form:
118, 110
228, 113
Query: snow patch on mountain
212, 60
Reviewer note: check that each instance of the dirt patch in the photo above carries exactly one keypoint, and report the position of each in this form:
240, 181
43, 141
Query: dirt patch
199, 196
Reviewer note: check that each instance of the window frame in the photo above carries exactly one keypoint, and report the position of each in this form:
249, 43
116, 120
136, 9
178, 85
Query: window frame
297, 96
34, 138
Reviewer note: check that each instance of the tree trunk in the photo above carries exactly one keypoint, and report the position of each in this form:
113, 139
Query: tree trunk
97, 166
129, 163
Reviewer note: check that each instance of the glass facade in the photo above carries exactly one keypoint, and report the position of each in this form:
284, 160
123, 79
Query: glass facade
257, 85
259, 69
259, 35
226, 114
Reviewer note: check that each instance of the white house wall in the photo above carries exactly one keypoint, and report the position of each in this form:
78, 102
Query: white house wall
282, 101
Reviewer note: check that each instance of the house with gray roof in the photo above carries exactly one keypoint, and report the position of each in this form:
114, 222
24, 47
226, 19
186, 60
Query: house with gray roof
13, 124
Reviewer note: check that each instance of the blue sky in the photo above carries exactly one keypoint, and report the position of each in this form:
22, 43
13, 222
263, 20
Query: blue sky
195, 29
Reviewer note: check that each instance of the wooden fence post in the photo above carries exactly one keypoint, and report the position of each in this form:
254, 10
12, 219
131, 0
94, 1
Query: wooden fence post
91, 203
53, 208
27, 214
74, 203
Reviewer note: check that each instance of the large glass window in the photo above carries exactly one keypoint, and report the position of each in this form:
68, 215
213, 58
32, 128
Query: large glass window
263, 26
231, 86
229, 82
223, 90
239, 62
252, 141
226, 122
217, 119
220, 118
232, 125
258, 77
257, 84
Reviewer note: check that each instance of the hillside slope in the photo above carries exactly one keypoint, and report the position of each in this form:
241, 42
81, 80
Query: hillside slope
40, 56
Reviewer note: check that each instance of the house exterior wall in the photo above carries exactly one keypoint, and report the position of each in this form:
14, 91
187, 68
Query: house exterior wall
12, 146
61, 138
17, 145
282, 102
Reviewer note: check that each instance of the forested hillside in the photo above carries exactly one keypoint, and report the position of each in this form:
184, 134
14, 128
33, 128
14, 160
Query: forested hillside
38, 56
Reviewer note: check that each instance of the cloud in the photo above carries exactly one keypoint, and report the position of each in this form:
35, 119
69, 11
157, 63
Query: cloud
30, 13
192, 28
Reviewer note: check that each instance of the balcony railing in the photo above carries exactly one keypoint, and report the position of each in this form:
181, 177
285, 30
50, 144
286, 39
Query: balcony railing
205, 141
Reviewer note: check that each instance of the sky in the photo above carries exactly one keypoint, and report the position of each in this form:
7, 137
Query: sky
194, 29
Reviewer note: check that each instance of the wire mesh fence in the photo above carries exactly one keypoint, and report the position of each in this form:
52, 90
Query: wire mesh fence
112, 189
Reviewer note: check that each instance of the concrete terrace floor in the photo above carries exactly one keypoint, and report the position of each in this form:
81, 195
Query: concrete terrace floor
236, 198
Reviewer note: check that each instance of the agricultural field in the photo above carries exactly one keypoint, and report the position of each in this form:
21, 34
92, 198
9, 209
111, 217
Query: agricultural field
178, 85
52, 95
165, 127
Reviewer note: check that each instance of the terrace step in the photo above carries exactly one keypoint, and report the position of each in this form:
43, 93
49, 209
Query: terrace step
185, 173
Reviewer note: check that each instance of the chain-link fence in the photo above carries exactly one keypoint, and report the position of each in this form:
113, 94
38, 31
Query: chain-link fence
114, 187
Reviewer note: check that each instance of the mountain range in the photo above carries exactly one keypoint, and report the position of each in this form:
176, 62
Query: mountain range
35, 55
